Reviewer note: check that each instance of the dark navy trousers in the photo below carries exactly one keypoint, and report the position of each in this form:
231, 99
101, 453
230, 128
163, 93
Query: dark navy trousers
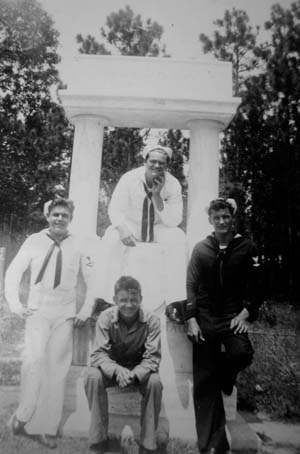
216, 368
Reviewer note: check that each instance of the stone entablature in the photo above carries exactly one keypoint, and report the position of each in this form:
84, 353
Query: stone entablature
194, 79
150, 92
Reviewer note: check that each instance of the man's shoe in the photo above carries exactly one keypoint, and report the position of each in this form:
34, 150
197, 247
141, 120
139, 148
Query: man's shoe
162, 449
227, 382
127, 439
143, 450
17, 426
213, 451
227, 385
99, 448
46, 440
162, 446
227, 388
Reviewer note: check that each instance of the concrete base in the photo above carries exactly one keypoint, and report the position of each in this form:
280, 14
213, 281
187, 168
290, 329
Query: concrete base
124, 406
177, 415
127, 403
243, 438
124, 409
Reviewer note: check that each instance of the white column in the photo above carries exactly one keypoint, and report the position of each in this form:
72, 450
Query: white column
85, 172
203, 176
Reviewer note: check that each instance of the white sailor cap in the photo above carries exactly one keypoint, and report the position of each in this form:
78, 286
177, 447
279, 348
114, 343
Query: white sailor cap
166, 150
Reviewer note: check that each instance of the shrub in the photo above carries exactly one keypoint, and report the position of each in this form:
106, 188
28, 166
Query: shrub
272, 383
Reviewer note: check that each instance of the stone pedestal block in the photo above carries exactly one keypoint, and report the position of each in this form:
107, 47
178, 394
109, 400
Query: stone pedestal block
124, 405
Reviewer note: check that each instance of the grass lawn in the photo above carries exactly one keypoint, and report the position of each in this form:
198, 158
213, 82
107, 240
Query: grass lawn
10, 444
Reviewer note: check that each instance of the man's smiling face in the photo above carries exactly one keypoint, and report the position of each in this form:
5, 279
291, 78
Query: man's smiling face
59, 219
222, 221
128, 302
156, 164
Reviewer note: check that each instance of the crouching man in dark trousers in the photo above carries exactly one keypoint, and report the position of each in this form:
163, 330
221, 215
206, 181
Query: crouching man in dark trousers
223, 291
127, 350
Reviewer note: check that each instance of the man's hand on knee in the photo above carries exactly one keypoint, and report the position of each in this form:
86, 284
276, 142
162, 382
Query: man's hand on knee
124, 376
239, 322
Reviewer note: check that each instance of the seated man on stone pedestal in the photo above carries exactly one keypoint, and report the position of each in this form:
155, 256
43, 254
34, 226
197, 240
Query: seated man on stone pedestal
146, 206
126, 351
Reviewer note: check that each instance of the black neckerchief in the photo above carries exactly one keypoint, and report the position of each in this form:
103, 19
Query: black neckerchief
58, 266
147, 217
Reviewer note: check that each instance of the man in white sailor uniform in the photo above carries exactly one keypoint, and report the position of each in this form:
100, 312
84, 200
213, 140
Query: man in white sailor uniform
54, 257
146, 207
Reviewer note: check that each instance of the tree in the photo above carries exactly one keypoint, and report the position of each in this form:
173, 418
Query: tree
126, 34
179, 144
243, 147
89, 45
283, 75
271, 133
121, 150
234, 41
260, 152
35, 136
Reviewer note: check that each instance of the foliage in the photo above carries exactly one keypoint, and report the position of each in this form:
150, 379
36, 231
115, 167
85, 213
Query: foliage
179, 144
127, 34
234, 40
271, 384
128, 142
283, 116
274, 185
34, 133
89, 45
260, 150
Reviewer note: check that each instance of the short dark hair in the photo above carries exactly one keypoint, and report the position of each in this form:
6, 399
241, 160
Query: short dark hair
220, 204
60, 201
127, 283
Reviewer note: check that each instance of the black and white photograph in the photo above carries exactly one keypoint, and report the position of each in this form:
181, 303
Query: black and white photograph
149, 226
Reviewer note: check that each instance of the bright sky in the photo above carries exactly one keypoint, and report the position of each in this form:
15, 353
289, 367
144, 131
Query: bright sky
183, 20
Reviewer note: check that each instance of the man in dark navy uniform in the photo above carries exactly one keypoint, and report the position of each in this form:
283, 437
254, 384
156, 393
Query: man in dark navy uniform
223, 295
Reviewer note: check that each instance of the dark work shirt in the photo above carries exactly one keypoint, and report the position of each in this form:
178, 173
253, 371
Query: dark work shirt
137, 347
223, 281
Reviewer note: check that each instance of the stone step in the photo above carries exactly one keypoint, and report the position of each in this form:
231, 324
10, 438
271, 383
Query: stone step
124, 409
